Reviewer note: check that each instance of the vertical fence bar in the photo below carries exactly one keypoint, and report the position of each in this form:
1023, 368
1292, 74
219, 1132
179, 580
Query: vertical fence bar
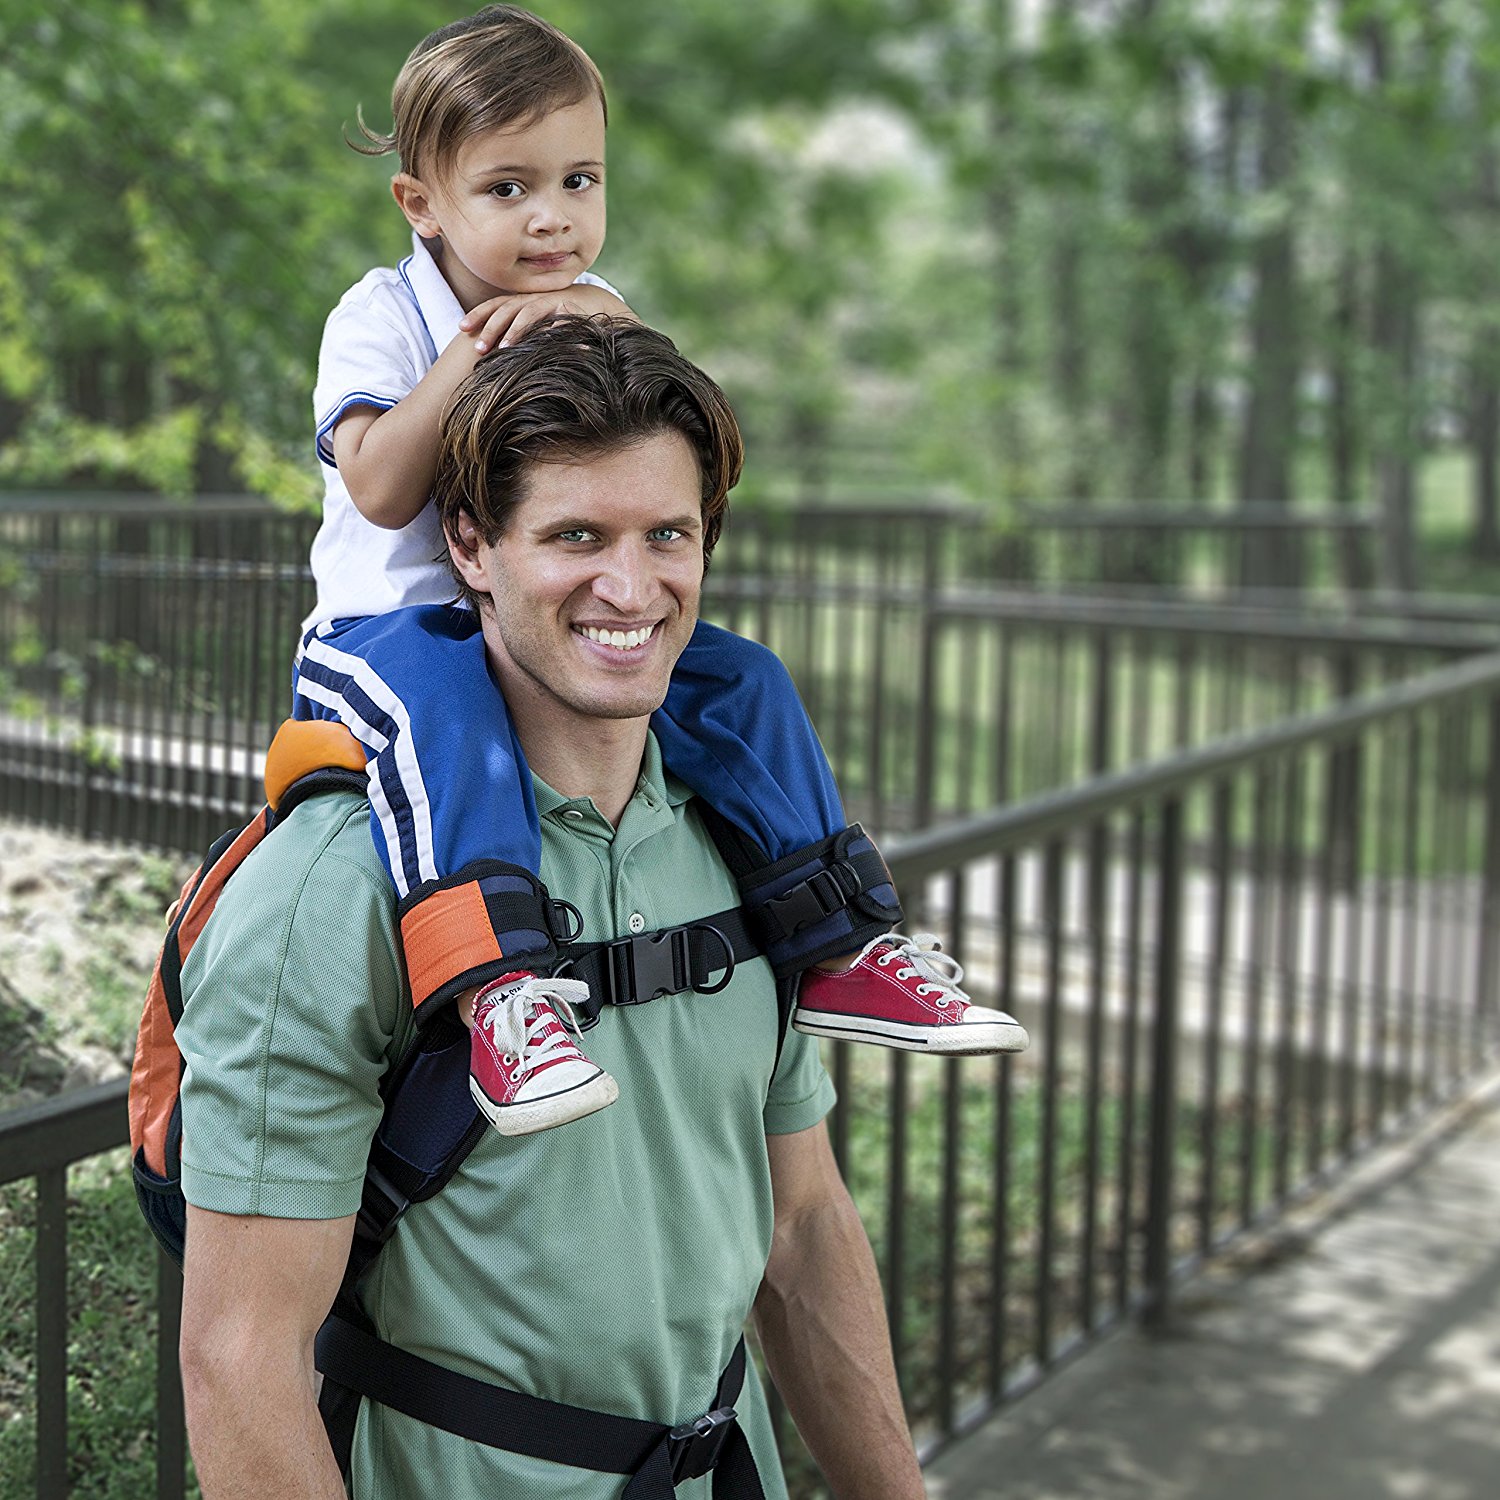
1222, 860
1262, 913
1320, 990
1411, 852
1093, 1074
1129, 1067
1354, 1030
1163, 1107
1005, 914
1488, 954
1052, 921
951, 1210
52, 1334
1290, 927
171, 1438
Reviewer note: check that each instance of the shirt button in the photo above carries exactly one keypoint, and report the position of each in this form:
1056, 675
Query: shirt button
637, 922
572, 812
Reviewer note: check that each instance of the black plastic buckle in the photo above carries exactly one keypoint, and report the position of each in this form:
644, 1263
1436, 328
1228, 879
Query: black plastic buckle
661, 963
695, 1446
381, 1207
823, 893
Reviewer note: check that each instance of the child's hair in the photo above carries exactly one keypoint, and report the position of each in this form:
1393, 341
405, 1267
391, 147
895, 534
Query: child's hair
574, 389
501, 66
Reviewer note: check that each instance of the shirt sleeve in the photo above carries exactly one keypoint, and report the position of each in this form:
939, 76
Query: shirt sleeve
293, 1006
801, 1091
587, 278
366, 359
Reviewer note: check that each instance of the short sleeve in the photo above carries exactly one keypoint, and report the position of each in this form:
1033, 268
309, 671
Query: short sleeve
801, 1091
588, 278
366, 359
293, 1008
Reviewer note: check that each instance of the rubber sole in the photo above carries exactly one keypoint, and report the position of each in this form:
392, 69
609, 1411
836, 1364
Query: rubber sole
534, 1115
962, 1039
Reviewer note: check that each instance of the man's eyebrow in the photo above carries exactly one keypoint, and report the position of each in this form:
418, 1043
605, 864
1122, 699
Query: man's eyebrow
549, 526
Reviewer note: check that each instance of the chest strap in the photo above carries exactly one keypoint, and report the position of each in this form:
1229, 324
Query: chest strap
633, 970
657, 1457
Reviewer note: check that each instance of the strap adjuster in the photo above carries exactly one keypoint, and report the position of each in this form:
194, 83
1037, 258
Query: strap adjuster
823, 893
381, 1207
694, 1447
661, 963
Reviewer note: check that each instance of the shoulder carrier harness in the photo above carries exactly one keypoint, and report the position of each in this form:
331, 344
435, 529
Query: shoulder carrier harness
825, 900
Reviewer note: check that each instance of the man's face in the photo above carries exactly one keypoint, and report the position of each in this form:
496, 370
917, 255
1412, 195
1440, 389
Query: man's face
519, 209
593, 588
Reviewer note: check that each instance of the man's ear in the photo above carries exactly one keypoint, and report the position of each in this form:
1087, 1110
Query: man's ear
413, 201
464, 543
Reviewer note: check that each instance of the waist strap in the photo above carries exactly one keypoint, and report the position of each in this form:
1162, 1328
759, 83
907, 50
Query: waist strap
657, 1456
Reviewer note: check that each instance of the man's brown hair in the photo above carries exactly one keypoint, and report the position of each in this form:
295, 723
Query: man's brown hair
574, 389
500, 67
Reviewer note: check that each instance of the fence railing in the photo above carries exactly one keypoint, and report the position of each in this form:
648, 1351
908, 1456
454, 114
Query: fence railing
144, 661
1240, 966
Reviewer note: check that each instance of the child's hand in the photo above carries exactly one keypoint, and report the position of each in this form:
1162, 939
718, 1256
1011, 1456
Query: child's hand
503, 320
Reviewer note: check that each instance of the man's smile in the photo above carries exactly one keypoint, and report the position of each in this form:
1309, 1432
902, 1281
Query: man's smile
620, 641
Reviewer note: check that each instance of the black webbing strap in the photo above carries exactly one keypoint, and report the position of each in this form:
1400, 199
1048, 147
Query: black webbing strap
825, 892
633, 970
658, 1457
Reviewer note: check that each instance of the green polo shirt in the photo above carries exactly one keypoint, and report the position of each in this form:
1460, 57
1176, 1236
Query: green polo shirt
609, 1263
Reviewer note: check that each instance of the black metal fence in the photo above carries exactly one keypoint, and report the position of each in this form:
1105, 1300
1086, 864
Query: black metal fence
1240, 965
145, 649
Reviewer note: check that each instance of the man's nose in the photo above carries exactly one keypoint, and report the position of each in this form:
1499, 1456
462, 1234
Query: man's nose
627, 581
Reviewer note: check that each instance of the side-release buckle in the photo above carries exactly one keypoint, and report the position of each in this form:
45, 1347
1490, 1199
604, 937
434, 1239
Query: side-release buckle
661, 963
824, 892
695, 1446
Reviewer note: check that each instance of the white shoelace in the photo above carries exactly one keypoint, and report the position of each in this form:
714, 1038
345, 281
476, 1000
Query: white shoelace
940, 973
513, 1020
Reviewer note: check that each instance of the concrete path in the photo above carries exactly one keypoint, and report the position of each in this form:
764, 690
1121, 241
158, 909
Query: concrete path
1356, 1353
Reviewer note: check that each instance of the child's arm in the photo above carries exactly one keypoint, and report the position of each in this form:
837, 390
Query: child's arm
503, 320
388, 459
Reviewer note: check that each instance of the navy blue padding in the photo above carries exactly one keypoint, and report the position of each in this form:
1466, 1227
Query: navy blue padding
162, 1205
430, 1109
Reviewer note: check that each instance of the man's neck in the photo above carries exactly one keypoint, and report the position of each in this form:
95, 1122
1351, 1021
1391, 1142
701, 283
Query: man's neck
575, 754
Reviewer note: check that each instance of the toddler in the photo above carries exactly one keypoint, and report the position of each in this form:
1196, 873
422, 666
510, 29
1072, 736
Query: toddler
499, 126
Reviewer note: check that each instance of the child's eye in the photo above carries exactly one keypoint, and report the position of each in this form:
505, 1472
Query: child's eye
576, 181
506, 190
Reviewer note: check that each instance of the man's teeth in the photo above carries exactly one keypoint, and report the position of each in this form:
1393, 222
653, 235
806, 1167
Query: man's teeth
621, 640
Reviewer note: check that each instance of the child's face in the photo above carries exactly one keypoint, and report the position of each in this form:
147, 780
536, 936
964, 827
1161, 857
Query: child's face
519, 209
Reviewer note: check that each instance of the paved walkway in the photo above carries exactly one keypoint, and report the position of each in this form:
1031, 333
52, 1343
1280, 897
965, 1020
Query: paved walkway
1354, 1354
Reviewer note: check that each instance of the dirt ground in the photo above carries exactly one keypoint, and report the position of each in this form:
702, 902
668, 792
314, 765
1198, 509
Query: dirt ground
79, 927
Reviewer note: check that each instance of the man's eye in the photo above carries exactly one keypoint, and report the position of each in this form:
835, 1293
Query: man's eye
506, 190
576, 181
576, 534
665, 534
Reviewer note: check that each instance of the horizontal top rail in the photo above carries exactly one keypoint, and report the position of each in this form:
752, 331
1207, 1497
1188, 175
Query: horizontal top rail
1181, 518
64, 1128
934, 850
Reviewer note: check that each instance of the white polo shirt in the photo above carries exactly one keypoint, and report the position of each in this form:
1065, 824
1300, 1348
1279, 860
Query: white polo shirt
383, 337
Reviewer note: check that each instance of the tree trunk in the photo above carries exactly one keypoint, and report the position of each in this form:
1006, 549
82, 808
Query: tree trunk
1484, 390
1343, 420
1268, 447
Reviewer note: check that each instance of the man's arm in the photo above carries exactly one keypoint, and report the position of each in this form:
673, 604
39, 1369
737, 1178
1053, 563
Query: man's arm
255, 1292
821, 1324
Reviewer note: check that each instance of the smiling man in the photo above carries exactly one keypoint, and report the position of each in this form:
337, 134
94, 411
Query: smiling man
608, 1267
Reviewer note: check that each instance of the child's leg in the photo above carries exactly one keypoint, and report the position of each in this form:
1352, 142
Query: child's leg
734, 728
454, 819
448, 780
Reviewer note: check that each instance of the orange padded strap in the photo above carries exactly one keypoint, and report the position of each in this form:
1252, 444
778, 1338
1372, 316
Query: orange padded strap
304, 745
444, 934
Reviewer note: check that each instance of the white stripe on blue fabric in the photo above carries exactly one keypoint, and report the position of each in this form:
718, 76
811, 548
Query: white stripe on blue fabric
405, 760
432, 348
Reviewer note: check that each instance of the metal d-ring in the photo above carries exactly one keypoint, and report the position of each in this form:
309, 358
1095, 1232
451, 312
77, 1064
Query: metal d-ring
728, 947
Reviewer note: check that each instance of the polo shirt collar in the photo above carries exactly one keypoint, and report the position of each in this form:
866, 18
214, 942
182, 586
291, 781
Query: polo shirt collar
439, 308
656, 790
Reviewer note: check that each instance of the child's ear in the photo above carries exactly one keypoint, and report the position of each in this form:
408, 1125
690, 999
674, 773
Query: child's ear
411, 198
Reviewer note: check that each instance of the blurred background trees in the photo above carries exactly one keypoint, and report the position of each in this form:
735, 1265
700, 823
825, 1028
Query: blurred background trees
1205, 252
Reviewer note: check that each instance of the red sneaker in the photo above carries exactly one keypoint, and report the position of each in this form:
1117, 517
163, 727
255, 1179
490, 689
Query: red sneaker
903, 992
526, 1071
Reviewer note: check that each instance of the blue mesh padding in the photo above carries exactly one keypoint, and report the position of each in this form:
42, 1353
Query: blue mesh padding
431, 1108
